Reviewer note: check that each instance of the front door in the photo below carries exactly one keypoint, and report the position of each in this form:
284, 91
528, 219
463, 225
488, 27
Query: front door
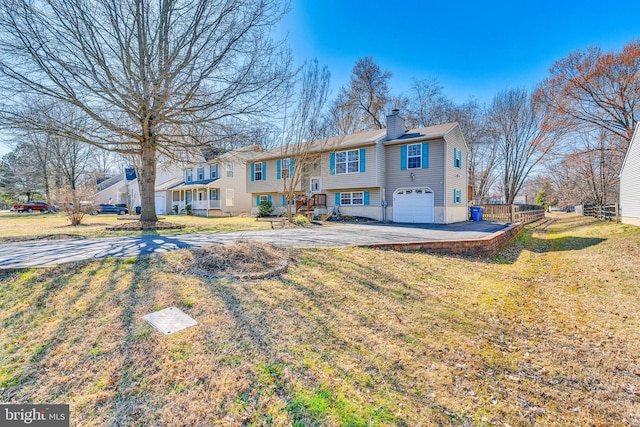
315, 185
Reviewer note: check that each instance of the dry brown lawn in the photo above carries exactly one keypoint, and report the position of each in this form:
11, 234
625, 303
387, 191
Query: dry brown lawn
547, 333
35, 226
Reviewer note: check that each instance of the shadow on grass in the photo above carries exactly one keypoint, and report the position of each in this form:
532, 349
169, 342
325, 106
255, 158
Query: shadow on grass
525, 241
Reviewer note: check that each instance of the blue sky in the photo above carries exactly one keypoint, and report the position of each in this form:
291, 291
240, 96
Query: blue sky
473, 48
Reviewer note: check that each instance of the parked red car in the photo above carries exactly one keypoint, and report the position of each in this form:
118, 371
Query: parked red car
31, 206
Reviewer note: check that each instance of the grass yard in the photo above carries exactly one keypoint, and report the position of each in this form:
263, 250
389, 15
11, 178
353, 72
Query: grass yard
546, 333
15, 227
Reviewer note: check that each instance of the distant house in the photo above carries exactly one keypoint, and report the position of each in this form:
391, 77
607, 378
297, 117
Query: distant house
124, 189
212, 186
519, 199
393, 174
630, 182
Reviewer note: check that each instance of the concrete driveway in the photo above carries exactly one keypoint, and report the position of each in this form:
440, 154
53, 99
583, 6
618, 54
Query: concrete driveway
47, 253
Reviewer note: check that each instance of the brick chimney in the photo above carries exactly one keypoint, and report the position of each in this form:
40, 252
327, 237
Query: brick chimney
395, 125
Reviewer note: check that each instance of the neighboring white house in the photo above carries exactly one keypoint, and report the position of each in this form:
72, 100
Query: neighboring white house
393, 174
630, 182
214, 186
124, 189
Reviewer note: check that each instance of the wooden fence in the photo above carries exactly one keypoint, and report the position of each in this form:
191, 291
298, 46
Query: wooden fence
512, 213
605, 212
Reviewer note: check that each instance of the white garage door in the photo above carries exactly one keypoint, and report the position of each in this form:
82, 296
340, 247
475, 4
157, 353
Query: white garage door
160, 203
413, 205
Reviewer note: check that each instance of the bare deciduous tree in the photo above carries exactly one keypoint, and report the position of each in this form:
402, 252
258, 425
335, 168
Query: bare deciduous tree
428, 105
303, 129
142, 75
524, 137
598, 89
367, 95
595, 164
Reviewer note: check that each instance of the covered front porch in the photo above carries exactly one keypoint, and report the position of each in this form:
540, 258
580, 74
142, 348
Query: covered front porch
202, 200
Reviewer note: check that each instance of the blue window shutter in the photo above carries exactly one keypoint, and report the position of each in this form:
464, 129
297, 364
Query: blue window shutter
403, 158
425, 155
278, 168
269, 198
258, 200
460, 154
366, 198
337, 199
264, 171
291, 168
362, 160
332, 163
284, 200
253, 172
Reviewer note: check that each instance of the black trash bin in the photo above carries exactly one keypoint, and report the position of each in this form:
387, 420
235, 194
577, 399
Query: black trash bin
476, 213
138, 210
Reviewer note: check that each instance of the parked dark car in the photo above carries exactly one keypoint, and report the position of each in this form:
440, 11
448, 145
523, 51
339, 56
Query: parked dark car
104, 208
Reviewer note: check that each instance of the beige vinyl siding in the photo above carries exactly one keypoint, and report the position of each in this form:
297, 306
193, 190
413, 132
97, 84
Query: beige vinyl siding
431, 177
629, 183
271, 184
456, 177
241, 199
351, 180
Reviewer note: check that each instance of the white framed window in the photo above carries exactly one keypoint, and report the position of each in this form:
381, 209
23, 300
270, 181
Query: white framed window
414, 156
229, 170
457, 158
176, 196
230, 197
189, 175
348, 161
257, 171
200, 172
214, 194
263, 199
213, 171
457, 196
355, 198
285, 167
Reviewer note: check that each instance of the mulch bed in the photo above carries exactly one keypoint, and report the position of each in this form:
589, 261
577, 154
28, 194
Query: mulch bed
245, 260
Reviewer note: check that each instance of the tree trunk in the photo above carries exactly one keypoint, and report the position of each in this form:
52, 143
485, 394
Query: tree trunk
147, 180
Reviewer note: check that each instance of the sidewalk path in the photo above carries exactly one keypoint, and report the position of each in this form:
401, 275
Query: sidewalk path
47, 253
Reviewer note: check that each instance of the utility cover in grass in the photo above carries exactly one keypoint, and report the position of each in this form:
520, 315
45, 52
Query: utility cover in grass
170, 320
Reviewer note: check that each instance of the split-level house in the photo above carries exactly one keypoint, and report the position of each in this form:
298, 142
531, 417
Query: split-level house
393, 174
213, 186
630, 182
